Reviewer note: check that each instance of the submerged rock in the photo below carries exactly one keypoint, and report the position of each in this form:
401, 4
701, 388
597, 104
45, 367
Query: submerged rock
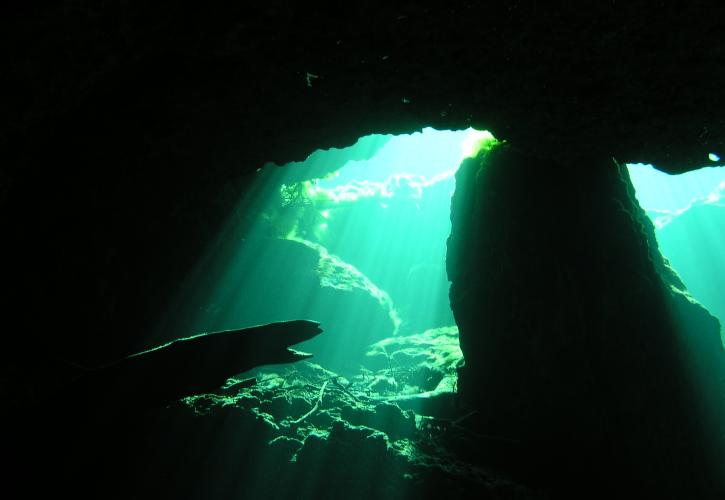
188, 366
294, 279
308, 433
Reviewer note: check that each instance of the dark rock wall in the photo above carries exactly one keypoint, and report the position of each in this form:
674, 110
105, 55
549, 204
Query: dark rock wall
573, 339
639, 81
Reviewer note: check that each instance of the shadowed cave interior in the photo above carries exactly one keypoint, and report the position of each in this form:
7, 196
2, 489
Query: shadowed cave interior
530, 316
363, 249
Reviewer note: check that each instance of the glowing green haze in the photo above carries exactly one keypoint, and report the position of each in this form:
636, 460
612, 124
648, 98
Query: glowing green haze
688, 211
353, 238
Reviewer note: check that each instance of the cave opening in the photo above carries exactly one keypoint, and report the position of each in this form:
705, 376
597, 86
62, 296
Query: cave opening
354, 238
688, 214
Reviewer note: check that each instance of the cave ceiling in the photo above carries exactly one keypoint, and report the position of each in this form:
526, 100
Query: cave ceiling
640, 81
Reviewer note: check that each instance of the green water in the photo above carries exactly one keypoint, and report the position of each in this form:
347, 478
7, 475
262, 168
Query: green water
355, 239
352, 238
688, 212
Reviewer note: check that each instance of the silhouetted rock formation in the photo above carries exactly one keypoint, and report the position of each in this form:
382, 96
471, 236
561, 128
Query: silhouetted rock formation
575, 337
184, 367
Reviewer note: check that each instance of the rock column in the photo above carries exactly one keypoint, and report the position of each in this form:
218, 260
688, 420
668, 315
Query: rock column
578, 339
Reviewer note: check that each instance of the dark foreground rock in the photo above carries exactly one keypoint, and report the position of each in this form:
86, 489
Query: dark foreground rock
301, 432
579, 340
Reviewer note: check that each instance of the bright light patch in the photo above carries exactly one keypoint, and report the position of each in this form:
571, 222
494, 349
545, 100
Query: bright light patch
713, 157
474, 141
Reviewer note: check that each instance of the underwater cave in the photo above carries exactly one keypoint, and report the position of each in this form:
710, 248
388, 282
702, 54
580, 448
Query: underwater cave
401, 251
353, 238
